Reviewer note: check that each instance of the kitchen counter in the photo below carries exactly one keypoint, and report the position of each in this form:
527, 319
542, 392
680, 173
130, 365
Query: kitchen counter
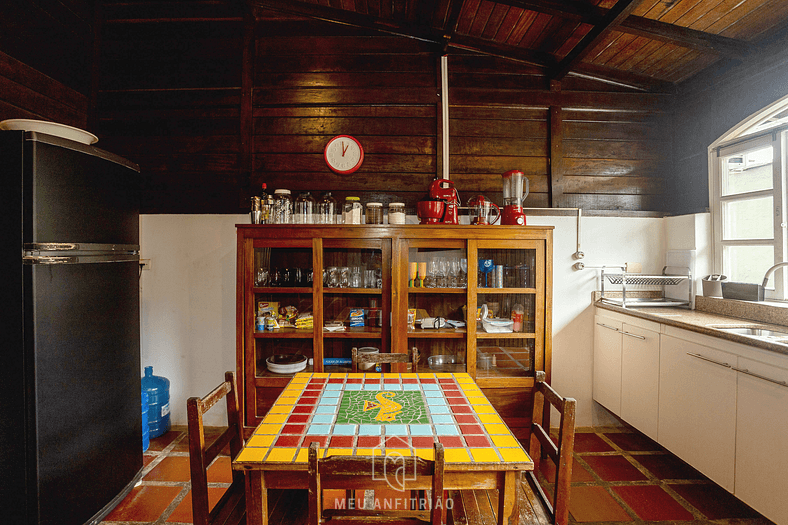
704, 322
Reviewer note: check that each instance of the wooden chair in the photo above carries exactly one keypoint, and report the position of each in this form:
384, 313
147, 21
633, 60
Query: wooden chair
561, 455
363, 358
367, 472
231, 508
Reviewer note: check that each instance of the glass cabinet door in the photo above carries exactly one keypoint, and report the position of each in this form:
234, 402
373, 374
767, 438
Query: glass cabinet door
437, 284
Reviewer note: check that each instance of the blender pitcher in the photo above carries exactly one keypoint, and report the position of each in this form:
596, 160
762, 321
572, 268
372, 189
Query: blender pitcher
483, 211
513, 197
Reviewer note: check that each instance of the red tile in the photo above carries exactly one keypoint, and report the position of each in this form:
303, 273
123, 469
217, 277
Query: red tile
590, 442
322, 441
471, 430
160, 443
477, 441
312, 394
288, 441
410, 381
303, 409
614, 468
397, 442
590, 503
668, 466
342, 441
713, 501
221, 470
293, 429
317, 380
147, 458
368, 441
460, 409
354, 381
652, 503
422, 442
632, 441
465, 419
336, 380
298, 418
428, 381
307, 401
183, 512
144, 503
579, 473
451, 441
171, 468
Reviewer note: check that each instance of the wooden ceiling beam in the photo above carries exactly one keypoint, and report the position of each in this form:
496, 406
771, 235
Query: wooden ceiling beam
614, 17
638, 25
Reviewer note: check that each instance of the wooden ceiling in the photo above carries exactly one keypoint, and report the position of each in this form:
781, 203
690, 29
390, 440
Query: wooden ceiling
647, 44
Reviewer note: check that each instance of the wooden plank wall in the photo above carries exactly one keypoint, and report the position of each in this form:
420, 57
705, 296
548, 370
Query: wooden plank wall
211, 104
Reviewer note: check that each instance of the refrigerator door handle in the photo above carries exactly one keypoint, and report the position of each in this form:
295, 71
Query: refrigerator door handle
80, 259
47, 259
36, 248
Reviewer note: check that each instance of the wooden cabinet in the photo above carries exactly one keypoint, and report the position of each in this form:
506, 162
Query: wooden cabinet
697, 407
275, 263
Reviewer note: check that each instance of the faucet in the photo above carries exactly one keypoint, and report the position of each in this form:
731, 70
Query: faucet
771, 270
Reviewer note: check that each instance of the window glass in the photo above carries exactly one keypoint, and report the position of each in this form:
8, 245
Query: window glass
751, 171
747, 264
748, 219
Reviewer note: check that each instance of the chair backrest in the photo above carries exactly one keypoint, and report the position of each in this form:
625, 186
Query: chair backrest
375, 472
201, 455
378, 358
561, 454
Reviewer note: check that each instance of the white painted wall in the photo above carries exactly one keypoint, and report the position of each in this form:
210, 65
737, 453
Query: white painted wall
188, 298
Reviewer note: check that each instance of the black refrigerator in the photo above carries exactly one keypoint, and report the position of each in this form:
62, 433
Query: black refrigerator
70, 413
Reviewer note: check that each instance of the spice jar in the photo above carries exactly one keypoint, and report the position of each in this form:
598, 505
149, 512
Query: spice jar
397, 213
351, 211
304, 209
326, 209
283, 207
374, 213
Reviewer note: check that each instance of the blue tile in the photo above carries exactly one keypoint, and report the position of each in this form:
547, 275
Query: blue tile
396, 430
329, 401
438, 419
420, 430
433, 393
438, 409
344, 430
410, 386
353, 386
370, 430
429, 386
392, 386
447, 430
319, 430
373, 386
326, 409
333, 386
433, 401
323, 419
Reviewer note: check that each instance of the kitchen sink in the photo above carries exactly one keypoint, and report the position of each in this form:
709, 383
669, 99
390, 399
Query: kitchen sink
751, 331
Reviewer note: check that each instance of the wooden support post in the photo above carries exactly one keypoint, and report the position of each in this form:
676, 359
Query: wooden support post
556, 175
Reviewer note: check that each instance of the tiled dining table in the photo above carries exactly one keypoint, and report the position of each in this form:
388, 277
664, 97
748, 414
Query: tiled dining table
389, 414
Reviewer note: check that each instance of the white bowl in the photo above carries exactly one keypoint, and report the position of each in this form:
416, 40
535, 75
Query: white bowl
286, 363
50, 128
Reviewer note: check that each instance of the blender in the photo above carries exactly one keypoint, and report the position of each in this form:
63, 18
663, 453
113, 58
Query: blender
513, 197
481, 211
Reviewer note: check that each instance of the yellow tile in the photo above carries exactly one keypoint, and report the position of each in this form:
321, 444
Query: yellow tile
372, 375
484, 409
426, 376
426, 453
496, 429
262, 428
443, 376
513, 454
399, 452
282, 454
463, 377
471, 390
478, 401
303, 455
320, 375
355, 376
485, 455
302, 375
275, 418
291, 393
252, 454
456, 455
369, 452
286, 401
260, 441
490, 418
390, 375
339, 452
409, 376
280, 409
505, 441
336, 375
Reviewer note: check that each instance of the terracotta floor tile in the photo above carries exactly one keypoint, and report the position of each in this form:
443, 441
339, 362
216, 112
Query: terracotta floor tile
579, 473
595, 504
171, 468
667, 466
652, 503
144, 503
713, 501
633, 441
590, 442
183, 512
221, 471
160, 443
614, 468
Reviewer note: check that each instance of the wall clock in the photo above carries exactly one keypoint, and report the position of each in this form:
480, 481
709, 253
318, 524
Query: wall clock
344, 154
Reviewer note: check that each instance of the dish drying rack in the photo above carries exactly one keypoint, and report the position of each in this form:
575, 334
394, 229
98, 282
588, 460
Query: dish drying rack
636, 279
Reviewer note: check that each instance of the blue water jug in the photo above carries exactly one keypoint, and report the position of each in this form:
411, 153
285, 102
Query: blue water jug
158, 390
145, 427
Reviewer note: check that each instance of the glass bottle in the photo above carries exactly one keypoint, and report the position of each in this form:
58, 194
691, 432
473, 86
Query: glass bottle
283, 207
374, 213
352, 210
304, 209
327, 209
266, 206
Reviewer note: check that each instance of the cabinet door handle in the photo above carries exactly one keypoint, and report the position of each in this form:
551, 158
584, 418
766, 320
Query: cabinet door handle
609, 327
753, 374
633, 335
726, 365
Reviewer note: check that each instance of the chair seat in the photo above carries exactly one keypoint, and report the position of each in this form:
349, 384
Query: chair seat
231, 506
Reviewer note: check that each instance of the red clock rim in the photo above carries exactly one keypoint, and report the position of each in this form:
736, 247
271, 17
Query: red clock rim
360, 159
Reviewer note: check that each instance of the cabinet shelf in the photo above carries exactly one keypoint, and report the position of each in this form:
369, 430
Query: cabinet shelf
506, 290
282, 290
286, 333
419, 290
360, 291
505, 335
361, 332
440, 333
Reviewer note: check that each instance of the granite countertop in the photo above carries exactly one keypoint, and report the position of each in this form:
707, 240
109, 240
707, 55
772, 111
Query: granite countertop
711, 313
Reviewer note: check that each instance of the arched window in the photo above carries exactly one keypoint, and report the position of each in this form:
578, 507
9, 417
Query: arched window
747, 186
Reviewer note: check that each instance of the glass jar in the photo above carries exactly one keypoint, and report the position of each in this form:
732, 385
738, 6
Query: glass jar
283, 207
352, 210
397, 213
326, 209
305, 209
374, 213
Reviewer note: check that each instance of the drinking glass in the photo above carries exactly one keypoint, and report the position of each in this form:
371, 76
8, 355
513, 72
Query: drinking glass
454, 273
344, 277
443, 273
463, 276
431, 279
413, 274
333, 277
356, 279
262, 277
369, 277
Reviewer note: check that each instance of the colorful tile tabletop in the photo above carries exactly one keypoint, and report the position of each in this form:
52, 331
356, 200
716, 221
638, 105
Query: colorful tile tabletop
384, 414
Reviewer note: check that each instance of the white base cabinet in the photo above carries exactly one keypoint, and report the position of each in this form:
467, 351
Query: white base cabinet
607, 363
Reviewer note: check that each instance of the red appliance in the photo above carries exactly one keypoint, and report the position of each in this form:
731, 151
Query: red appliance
513, 197
481, 211
441, 205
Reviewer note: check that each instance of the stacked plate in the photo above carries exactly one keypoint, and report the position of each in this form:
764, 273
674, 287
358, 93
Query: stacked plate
286, 363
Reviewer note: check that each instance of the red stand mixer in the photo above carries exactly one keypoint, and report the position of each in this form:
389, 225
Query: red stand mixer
442, 204
513, 197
